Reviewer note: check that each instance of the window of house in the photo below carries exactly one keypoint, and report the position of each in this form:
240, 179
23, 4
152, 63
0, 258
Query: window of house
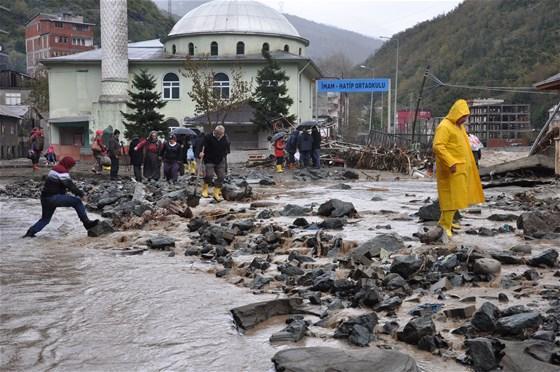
13, 98
214, 49
266, 47
170, 86
287, 48
12, 129
81, 27
174, 49
220, 87
59, 24
191, 49
240, 48
299, 51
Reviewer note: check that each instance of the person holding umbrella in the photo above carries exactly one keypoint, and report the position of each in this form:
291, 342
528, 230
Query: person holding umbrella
305, 146
292, 147
278, 140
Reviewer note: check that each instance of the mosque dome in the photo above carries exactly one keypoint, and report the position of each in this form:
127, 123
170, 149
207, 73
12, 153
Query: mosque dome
234, 17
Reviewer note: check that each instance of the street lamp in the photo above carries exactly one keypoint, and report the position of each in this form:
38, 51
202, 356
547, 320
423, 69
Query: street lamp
371, 99
396, 81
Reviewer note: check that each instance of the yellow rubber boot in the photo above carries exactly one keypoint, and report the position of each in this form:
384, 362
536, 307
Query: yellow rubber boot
204, 192
218, 194
446, 222
279, 168
193, 168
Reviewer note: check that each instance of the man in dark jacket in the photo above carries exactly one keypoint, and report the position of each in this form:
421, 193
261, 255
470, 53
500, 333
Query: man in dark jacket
172, 154
114, 151
316, 148
136, 158
305, 146
54, 196
291, 148
214, 151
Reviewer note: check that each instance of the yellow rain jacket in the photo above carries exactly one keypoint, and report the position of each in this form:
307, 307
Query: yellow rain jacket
451, 146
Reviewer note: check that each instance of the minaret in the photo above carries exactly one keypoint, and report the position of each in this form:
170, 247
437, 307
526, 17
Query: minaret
114, 65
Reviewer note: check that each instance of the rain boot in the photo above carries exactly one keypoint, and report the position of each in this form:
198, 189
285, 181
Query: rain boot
218, 194
279, 168
205, 191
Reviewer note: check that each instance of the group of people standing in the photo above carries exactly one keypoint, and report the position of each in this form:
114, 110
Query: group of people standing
306, 142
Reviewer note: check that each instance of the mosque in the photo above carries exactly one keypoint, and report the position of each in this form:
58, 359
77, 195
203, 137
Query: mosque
88, 90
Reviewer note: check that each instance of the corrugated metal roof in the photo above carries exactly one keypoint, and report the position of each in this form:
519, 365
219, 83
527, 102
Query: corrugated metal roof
232, 16
551, 83
14, 111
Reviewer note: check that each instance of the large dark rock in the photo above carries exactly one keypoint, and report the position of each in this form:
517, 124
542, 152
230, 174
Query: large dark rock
323, 359
417, 328
292, 210
528, 355
248, 316
337, 208
372, 248
389, 304
507, 217
506, 258
292, 333
236, 193
484, 354
290, 270
431, 212
394, 281
487, 266
519, 324
546, 258
333, 223
484, 319
405, 266
358, 330
539, 223
350, 175
244, 225
102, 228
196, 223
160, 242
368, 296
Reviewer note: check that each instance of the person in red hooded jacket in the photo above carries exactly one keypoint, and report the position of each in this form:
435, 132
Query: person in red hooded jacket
54, 195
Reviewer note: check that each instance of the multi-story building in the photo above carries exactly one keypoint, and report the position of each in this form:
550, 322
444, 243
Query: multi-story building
49, 35
499, 124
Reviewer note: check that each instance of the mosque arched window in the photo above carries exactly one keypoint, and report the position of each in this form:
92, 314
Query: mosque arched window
240, 48
171, 86
300, 51
266, 47
172, 123
191, 49
174, 49
220, 86
214, 48
287, 48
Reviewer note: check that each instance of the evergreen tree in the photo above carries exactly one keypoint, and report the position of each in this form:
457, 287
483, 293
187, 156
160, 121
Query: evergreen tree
271, 100
143, 104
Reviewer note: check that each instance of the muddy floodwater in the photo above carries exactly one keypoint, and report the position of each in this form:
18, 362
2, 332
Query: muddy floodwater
65, 305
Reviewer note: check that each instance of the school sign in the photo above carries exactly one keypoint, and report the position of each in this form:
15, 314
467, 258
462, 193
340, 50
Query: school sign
353, 85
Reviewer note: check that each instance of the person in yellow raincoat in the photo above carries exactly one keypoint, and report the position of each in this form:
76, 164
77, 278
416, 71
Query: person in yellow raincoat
458, 181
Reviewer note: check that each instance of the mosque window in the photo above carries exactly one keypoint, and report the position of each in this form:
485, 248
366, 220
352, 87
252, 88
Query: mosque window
287, 48
266, 47
240, 48
191, 49
220, 87
214, 49
300, 51
173, 49
170, 86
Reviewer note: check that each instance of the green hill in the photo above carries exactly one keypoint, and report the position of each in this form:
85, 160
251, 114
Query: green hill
145, 21
505, 43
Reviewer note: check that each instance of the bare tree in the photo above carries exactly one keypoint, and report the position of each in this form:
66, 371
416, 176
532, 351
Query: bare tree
211, 99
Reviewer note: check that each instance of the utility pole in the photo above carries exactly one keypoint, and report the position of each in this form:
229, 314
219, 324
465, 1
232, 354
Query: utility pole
371, 98
396, 83
418, 102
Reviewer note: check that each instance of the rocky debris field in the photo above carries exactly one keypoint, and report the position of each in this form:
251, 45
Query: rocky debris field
384, 281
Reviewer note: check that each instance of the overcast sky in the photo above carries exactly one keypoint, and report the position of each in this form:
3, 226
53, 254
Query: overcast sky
368, 17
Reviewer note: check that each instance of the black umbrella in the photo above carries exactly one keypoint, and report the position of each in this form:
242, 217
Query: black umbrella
277, 136
307, 125
184, 131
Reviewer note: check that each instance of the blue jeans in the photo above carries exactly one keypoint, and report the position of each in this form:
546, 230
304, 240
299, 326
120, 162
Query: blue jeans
316, 156
50, 204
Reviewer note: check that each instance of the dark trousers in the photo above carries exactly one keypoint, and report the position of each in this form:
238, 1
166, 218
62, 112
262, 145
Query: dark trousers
316, 155
291, 158
171, 170
137, 172
151, 166
215, 169
114, 167
50, 204
305, 158
477, 156
279, 160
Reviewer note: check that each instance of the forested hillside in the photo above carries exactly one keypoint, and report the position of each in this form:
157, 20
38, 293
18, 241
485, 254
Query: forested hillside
504, 43
145, 21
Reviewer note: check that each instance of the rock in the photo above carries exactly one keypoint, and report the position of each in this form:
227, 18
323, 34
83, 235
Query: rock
503, 217
529, 356
531, 274
442, 285
267, 182
244, 225
323, 359
426, 309
432, 343
513, 310
332, 223
487, 266
506, 258
295, 256
290, 270
235, 193
484, 354
377, 198
417, 328
389, 304
484, 319
248, 316
196, 223
350, 175
259, 264
160, 242
405, 266
432, 212
291, 210
340, 186
538, 223
337, 208
369, 296
460, 312
447, 264
521, 249
102, 228
300, 222
432, 235
519, 324
546, 258
544, 335
260, 281
192, 251
315, 298
502, 297
265, 214
390, 328
394, 281
358, 330
292, 333
372, 248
